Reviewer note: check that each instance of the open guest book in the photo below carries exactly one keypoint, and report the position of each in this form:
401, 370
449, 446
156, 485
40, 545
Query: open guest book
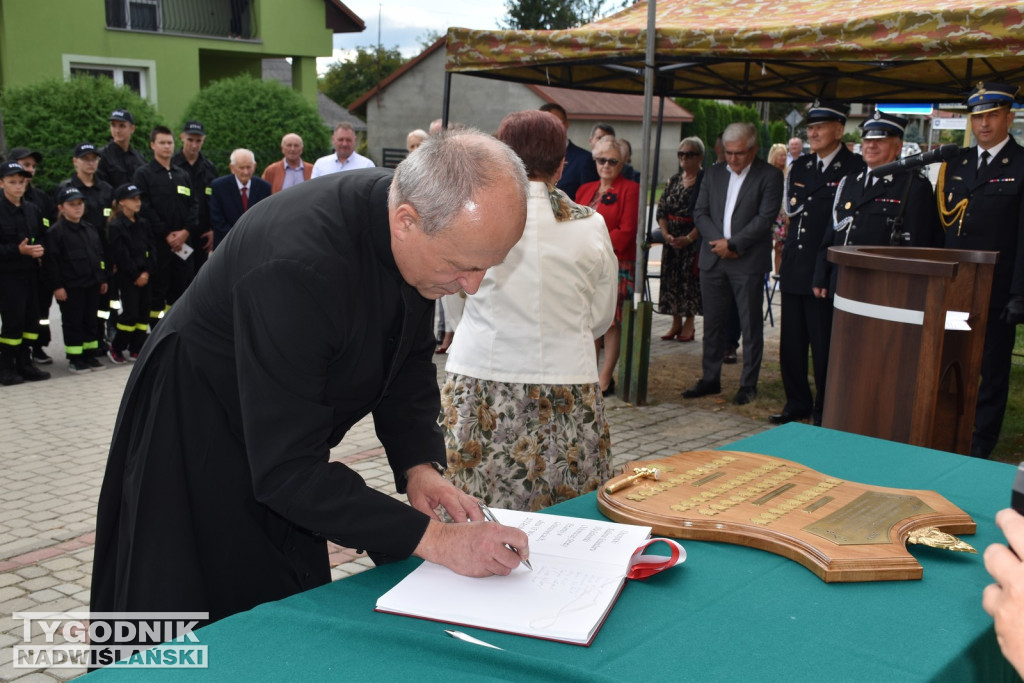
579, 568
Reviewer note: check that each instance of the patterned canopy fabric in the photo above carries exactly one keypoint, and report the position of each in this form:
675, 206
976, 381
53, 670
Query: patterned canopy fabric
856, 50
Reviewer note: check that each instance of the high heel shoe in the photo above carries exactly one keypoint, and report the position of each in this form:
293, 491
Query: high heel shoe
670, 336
680, 337
610, 391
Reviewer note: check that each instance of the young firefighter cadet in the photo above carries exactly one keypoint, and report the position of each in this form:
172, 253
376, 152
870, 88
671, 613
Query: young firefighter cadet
75, 269
21, 224
30, 159
169, 205
133, 253
98, 195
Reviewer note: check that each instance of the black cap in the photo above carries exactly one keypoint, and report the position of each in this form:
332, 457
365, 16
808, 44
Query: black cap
84, 148
69, 193
884, 125
19, 153
194, 128
127, 191
988, 96
13, 168
827, 110
122, 115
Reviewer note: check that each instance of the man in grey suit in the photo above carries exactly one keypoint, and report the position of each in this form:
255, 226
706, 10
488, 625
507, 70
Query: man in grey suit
737, 203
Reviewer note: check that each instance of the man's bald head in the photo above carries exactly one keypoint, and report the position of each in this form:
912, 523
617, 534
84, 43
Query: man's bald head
291, 148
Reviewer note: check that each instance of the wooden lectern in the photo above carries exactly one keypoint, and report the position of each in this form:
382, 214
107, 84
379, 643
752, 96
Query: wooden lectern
907, 335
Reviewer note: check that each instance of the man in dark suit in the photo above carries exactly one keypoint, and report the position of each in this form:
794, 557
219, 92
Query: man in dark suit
737, 204
579, 165
981, 206
232, 195
806, 320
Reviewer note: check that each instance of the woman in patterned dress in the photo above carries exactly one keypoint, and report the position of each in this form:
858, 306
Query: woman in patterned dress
521, 410
680, 283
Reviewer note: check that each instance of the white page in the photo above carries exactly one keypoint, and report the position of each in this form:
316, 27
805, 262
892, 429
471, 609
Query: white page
565, 597
587, 540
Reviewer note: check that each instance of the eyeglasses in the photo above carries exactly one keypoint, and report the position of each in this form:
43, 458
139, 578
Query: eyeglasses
602, 161
687, 155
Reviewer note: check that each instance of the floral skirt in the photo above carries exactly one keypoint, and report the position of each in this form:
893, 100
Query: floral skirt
524, 446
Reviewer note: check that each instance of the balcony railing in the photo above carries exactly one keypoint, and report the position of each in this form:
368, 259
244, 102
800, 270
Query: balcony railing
217, 18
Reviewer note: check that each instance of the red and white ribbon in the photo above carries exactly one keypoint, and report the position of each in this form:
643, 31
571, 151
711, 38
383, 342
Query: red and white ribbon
641, 565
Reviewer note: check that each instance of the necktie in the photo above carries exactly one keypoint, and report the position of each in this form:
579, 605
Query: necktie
245, 199
984, 158
821, 166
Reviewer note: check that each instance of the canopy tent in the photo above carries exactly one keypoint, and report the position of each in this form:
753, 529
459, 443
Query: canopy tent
856, 50
864, 51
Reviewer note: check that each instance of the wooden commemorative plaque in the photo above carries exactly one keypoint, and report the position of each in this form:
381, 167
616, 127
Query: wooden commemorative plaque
840, 530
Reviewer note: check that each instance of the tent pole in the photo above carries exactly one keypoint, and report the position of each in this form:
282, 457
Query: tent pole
635, 367
447, 99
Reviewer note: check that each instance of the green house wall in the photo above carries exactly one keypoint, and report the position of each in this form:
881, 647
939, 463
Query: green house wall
38, 38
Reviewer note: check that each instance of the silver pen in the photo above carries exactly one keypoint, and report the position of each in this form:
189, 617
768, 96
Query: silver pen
489, 516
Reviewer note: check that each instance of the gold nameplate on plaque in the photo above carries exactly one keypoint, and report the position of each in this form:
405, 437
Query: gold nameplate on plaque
841, 530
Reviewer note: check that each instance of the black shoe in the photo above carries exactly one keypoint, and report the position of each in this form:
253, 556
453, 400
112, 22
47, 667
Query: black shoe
703, 388
31, 373
744, 396
610, 391
730, 357
39, 357
9, 377
785, 417
93, 363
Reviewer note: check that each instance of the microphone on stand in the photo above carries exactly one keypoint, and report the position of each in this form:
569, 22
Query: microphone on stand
943, 153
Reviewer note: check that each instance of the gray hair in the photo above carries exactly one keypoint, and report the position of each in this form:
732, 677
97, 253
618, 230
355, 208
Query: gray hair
446, 174
692, 141
233, 159
607, 142
740, 132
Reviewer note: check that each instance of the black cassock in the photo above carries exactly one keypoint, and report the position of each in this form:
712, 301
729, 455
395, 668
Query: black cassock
218, 494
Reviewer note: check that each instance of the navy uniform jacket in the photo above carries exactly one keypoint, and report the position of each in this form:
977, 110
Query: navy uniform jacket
862, 215
18, 223
117, 166
168, 202
98, 198
994, 215
219, 493
202, 174
808, 201
74, 257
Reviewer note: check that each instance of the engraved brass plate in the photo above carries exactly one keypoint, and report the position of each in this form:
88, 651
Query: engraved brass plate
867, 519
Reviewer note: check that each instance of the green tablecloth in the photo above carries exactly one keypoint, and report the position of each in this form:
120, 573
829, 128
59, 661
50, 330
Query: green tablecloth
728, 613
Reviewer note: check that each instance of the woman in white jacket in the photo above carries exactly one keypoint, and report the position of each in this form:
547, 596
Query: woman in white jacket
522, 411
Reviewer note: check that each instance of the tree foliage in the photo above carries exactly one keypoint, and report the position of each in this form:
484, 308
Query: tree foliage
245, 112
53, 116
345, 82
550, 14
710, 118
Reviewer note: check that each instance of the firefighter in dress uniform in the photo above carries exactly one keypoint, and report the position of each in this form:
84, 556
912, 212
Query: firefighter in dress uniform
981, 205
893, 210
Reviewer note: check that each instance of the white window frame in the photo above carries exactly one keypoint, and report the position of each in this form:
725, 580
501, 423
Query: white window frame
145, 67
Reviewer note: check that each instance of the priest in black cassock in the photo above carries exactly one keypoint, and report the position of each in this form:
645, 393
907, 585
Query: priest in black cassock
314, 312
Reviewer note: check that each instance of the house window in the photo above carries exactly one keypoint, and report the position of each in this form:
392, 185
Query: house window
143, 15
138, 74
131, 77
